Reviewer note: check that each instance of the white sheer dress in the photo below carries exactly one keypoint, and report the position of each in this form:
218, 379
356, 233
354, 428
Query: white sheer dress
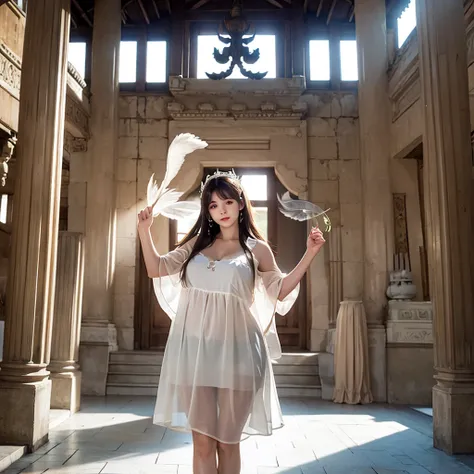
217, 377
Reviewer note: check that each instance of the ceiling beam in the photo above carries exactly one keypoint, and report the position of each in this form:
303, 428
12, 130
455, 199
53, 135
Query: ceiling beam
199, 4
351, 14
82, 12
168, 4
144, 13
155, 7
275, 3
305, 6
331, 11
320, 7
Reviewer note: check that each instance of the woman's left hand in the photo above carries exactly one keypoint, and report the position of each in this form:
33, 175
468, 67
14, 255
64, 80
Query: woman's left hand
315, 240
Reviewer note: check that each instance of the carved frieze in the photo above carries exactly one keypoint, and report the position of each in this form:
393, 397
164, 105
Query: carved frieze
10, 71
74, 144
77, 116
267, 110
410, 322
6, 151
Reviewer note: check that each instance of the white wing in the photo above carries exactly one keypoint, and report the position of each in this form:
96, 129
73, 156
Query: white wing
182, 210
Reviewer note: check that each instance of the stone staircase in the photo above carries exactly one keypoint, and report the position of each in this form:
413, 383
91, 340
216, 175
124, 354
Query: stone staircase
138, 373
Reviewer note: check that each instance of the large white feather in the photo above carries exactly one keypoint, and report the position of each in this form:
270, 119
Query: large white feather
182, 145
301, 210
182, 210
161, 198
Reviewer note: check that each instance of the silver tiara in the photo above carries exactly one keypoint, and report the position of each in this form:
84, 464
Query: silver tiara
228, 174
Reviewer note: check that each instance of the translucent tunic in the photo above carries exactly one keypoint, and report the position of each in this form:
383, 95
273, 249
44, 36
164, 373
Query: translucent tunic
216, 376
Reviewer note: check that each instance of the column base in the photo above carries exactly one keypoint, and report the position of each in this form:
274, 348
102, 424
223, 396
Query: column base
98, 339
377, 362
453, 419
24, 413
66, 391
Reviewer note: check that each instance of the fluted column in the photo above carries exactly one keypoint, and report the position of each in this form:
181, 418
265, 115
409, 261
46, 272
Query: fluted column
64, 367
371, 33
25, 388
449, 200
98, 336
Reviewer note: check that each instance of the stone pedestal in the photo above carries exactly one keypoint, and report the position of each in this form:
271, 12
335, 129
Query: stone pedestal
25, 388
447, 167
101, 197
65, 373
371, 34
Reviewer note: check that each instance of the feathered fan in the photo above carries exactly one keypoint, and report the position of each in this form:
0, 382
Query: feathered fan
164, 201
300, 210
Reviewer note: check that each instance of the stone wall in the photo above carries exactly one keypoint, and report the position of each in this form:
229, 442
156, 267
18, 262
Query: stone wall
331, 162
143, 144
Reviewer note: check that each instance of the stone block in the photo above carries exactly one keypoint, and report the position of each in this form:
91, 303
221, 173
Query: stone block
317, 341
141, 107
321, 127
153, 128
409, 383
350, 184
128, 147
153, 148
76, 218
453, 419
94, 362
126, 169
127, 106
124, 307
349, 147
322, 148
351, 215
324, 192
323, 170
77, 195
352, 280
377, 363
126, 195
125, 339
24, 413
156, 107
124, 280
66, 391
126, 252
78, 172
349, 105
128, 127
352, 244
127, 223
319, 105
320, 312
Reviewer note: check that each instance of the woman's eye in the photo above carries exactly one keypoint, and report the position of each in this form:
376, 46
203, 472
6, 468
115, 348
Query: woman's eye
212, 207
229, 202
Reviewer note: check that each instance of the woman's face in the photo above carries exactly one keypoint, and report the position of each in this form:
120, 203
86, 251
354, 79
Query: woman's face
224, 212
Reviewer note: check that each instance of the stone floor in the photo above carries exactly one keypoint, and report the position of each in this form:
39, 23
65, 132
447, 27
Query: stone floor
115, 435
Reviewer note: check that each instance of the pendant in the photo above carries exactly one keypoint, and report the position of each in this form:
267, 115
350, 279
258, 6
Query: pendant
211, 265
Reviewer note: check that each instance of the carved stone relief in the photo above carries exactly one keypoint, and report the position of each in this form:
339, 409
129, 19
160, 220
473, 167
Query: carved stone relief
6, 152
10, 71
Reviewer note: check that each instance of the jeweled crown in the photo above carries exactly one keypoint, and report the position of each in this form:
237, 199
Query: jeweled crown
228, 174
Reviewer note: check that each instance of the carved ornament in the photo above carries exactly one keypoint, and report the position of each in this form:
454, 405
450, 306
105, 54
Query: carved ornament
10, 71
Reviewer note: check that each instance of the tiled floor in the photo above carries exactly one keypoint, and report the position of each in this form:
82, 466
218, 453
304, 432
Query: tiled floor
115, 435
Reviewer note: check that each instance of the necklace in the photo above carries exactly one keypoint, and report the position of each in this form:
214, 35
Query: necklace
211, 265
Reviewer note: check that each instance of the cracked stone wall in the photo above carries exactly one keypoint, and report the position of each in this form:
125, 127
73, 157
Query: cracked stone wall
334, 181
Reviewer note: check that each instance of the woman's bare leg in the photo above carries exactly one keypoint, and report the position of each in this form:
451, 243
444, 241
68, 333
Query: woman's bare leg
234, 409
204, 454
229, 458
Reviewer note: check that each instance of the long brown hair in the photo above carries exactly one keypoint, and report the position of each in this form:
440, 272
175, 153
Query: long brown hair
226, 188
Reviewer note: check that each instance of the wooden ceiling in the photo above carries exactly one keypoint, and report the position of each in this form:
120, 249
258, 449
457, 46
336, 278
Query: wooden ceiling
150, 12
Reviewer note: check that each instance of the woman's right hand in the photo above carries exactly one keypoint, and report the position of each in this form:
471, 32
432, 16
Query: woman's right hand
145, 218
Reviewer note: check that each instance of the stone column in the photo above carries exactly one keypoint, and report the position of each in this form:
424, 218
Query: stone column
449, 219
371, 33
98, 335
25, 387
64, 367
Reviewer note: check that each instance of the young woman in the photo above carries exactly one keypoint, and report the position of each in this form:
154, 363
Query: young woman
221, 287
